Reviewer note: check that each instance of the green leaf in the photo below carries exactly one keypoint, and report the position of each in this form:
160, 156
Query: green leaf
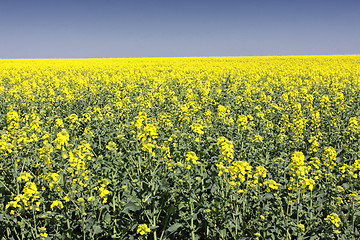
174, 227
171, 209
267, 196
131, 207
313, 237
107, 218
97, 229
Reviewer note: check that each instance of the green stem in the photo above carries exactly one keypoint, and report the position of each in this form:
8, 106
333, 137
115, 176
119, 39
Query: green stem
68, 223
192, 221
202, 179
311, 205
297, 210
6, 187
17, 235
16, 182
165, 224
99, 137
154, 221
31, 227
23, 166
34, 217
191, 210
154, 216
83, 223
154, 210
236, 219
353, 217
100, 214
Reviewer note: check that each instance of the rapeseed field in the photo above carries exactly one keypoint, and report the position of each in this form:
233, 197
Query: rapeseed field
180, 148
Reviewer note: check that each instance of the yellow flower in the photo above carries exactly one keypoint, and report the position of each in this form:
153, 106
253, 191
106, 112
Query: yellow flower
197, 128
227, 148
112, 146
260, 171
257, 138
271, 185
56, 203
297, 165
24, 176
13, 119
103, 192
143, 229
44, 234
54, 176
191, 156
330, 157
334, 219
30, 190
62, 139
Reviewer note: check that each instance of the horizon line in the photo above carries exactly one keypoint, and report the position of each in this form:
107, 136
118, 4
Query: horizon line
154, 57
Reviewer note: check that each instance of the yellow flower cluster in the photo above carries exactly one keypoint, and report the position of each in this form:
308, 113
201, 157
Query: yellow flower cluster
56, 203
12, 119
198, 128
330, 157
334, 219
103, 192
353, 170
226, 148
26, 200
147, 138
315, 129
299, 170
191, 156
45, 153
271, 185
223, 113
143, 229
112, 146
243, 122
146, 133
62, 140
24, 176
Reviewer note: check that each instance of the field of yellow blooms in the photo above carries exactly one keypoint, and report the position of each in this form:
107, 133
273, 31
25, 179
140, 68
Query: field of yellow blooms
180, 148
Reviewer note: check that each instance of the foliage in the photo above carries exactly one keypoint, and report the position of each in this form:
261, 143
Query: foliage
189, 148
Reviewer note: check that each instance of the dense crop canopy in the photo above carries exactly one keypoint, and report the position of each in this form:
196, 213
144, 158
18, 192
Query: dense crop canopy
180, 148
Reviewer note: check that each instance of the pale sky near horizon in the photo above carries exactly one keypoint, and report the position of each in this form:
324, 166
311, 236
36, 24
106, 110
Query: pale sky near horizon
139, 28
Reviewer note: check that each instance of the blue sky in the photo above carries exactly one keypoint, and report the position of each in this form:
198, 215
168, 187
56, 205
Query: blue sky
158, 28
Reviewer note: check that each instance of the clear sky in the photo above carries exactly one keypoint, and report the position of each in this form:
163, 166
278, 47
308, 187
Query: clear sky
159, 28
